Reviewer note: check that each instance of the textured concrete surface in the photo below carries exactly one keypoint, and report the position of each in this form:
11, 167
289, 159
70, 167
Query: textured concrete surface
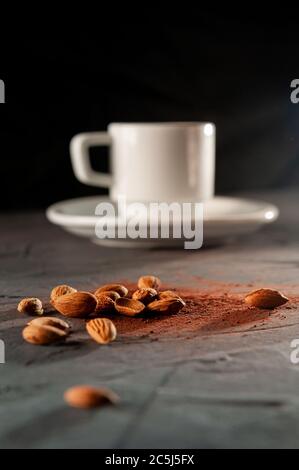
230, 389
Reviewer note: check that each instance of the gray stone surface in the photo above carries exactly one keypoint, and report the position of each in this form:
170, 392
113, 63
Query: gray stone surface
230, 389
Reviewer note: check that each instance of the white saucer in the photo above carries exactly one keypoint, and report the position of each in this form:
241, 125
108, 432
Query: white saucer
224, 218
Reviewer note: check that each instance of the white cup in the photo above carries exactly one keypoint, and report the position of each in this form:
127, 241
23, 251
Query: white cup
151, 161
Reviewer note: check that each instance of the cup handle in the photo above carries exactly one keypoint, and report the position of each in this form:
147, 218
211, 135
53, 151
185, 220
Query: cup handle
80, 158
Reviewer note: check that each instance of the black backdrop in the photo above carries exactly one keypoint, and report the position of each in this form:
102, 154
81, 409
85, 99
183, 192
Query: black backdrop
235, 73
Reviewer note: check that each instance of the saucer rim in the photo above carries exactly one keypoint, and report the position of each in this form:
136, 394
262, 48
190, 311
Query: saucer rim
54, 214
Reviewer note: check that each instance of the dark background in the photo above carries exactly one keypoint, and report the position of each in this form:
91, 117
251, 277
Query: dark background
236, 73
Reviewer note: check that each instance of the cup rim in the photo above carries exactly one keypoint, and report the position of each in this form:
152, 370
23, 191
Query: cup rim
162, 124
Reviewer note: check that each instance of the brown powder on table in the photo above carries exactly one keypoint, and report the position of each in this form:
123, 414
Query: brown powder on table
209, 310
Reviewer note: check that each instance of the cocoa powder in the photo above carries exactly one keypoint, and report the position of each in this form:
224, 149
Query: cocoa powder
210, 308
